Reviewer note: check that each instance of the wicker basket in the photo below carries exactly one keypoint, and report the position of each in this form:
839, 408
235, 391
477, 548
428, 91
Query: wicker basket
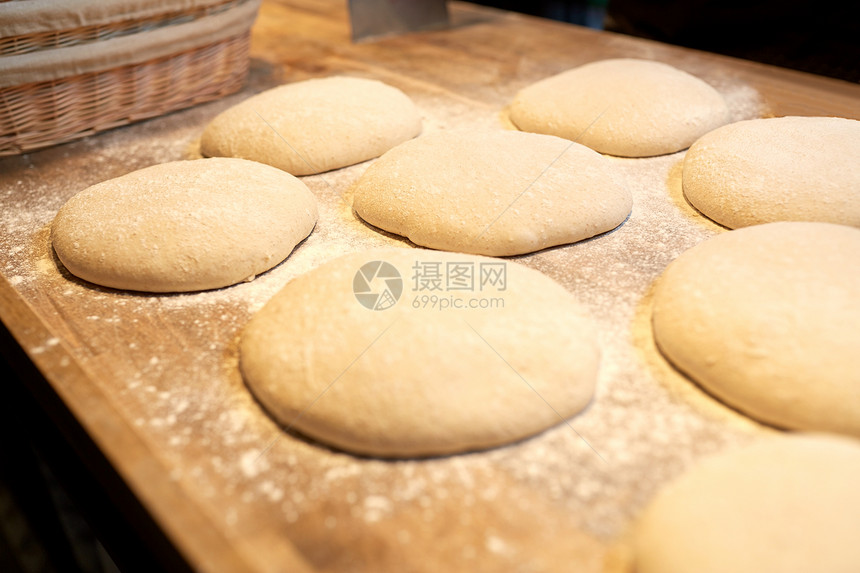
65, 74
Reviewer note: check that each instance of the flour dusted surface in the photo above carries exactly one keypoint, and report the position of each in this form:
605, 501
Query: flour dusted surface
169, 365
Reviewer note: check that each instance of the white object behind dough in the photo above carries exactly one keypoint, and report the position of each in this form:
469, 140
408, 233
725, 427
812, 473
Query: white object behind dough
417, 379
184, 226
777, 169
767, 318
787, 504
625, 107
314, 125
493, 193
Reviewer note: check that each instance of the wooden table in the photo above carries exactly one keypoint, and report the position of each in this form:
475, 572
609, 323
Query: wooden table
145, 392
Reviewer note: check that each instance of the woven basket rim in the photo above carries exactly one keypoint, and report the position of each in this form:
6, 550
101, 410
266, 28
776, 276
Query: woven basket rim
40, 16
86, 33
94, 102
48, 65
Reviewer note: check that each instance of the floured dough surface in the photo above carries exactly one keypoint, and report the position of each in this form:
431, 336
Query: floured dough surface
450, 366
493, 193
766, 319
184, 226
626, 107
315, 125
777, 169
788, 503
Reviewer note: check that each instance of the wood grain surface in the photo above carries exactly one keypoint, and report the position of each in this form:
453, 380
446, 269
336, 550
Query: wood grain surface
154, 381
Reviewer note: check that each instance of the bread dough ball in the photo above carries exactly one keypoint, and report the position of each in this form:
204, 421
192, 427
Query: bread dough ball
789, 504
777, 169
315, 125
463, 364
493, 192
184, 226
625, 107
766, 319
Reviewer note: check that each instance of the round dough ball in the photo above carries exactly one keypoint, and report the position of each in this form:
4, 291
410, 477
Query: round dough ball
435, 370
315, 125
787, 504
766, 319
625, 107
777, 169
492, 193
184, 226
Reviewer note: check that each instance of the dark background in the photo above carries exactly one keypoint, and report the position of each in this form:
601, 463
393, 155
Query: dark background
820, 37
